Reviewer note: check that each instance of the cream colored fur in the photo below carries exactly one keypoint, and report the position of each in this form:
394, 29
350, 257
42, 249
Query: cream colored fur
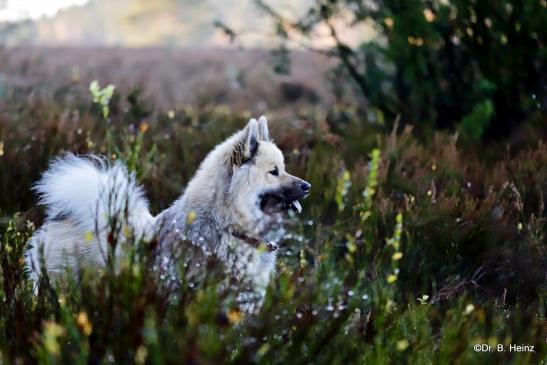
222, 198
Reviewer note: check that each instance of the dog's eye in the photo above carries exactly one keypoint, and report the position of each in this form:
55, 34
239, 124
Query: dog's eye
274, 172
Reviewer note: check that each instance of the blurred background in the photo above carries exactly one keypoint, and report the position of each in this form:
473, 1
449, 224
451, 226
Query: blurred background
476, 66
181, 52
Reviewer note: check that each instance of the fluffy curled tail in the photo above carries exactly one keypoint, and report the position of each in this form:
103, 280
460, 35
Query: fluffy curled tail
88, 192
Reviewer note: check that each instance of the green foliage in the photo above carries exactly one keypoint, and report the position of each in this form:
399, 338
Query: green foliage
406, 252
477, 121
102, 96
130, 152
428, 57
372, 183
344, 182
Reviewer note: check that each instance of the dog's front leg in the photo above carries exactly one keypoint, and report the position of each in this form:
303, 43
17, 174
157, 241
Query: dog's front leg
245, 269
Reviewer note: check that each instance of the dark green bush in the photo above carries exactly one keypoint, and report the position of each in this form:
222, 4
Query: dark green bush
478, 65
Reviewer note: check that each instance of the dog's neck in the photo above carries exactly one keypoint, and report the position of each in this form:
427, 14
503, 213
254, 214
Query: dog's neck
182, 223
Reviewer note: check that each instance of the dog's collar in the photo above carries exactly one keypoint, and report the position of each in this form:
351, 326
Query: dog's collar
256, 242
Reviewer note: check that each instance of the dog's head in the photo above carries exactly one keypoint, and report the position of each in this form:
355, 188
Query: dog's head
258, 176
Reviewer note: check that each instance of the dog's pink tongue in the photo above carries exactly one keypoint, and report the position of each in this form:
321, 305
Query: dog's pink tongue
296, 206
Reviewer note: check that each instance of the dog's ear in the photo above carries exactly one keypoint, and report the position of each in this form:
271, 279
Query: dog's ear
246, 147
250, 136
263, 133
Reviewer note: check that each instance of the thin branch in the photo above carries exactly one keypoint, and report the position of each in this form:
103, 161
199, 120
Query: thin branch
345, 53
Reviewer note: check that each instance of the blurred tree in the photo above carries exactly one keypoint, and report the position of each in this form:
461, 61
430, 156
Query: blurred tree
476, 64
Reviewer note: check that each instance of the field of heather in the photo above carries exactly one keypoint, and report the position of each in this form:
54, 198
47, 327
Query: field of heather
412, 248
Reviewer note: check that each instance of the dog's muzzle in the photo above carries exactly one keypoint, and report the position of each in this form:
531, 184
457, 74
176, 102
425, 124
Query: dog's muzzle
285, 198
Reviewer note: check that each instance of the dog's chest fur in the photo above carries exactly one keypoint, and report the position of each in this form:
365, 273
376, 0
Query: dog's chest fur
251, 267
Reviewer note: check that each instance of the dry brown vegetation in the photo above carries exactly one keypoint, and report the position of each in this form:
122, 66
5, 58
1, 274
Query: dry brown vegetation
172, 78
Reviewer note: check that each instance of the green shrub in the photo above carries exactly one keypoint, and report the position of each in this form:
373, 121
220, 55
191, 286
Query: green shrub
475, 64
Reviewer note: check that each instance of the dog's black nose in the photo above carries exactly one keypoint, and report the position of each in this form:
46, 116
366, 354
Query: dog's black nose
305, 187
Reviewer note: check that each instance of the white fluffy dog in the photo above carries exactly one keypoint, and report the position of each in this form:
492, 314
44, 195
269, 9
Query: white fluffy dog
230, 210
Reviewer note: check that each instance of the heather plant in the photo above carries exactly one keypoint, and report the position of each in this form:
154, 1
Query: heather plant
407, 251
128, 147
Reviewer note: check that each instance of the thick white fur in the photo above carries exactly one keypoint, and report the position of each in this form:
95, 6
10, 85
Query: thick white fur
83, 194
80, 195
